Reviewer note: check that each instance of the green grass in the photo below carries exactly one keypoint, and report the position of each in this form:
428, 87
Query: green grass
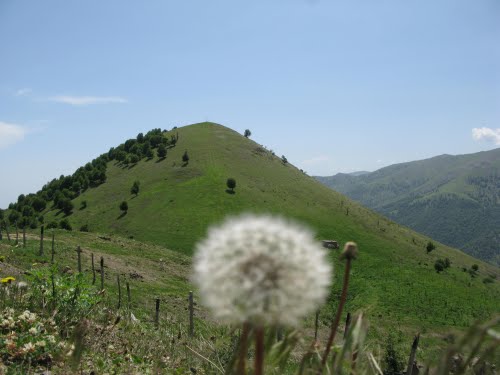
393, 280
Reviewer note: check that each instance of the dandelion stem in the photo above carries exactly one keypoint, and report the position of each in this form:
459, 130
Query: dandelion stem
259, 351
339, 313
241, 370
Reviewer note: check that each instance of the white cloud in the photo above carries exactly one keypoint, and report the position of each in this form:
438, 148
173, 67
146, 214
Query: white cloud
487, 134
10, 134
87, 100
316, 160
23, 92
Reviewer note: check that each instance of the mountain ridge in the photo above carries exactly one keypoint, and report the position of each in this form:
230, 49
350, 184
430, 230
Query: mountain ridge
465, 188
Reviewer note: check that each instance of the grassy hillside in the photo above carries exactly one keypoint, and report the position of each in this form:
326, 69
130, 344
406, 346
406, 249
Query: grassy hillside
394, 280
454, 199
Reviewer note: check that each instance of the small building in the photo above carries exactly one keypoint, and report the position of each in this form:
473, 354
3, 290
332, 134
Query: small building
330, 244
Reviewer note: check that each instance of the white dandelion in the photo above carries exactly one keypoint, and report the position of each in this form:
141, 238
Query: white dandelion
261, 270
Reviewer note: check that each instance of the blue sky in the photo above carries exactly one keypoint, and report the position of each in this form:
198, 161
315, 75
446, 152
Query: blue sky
333, 85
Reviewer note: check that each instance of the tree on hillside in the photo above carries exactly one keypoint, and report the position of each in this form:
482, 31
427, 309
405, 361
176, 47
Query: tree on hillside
64, 224
135, 188
430, 246
284, 159
39, 204
67, 206
439, 266
231, 184
247, 133
124, 207
162, 151
185, 157
134, 159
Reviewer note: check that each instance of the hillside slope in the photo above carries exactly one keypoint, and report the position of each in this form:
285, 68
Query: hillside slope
454, 199
394, 280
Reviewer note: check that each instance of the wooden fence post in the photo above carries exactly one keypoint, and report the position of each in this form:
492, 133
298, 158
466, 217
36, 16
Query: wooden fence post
41, 240
119, 292
53, 251
102, 273
128, 298
17, 234
191, 315
157, 314
7, 230
1, 236
24, 235
347, 324
316, 326
413, 353
93, 270
79, 252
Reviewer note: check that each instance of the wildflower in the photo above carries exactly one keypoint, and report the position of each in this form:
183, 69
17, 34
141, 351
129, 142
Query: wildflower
33, 331
261, 270
7, 280
51, 339
41, 344
29, 347
21, 285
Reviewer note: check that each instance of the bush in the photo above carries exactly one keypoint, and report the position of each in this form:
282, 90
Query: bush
394, 360
247, 133
124, 206
84, 228
83, 205
284, 159
52, 225
439, 266
231, 183
135, 188
162, 151
185, 157
442, 264
430, 247
64, 224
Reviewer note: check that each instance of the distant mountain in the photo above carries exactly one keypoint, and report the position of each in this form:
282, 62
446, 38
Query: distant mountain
454, 199
359, 173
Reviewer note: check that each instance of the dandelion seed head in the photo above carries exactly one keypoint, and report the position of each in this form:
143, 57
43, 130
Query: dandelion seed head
262, 270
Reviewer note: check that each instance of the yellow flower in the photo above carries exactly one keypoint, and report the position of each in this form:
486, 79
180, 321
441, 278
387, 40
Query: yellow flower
8, 280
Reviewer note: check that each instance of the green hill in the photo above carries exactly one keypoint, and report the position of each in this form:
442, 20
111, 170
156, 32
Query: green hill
393, 281
454, 199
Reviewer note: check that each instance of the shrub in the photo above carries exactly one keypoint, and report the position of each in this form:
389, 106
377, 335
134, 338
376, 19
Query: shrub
162, 151
124, 207
430, 247
247, 133
67, 206
84, 228
64, 224
52, 225
39, 204
439, 265
394, 360
231, 183
83, 205
185, 157
284, 159
135, 188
